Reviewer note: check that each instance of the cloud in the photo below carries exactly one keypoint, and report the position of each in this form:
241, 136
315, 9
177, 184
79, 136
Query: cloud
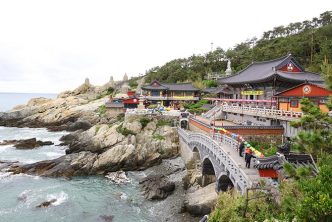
60, 43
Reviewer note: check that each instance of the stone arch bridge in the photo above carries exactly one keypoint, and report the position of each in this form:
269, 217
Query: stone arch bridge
220, 160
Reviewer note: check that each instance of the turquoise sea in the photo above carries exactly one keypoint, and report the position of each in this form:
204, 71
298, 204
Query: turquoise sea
80, 199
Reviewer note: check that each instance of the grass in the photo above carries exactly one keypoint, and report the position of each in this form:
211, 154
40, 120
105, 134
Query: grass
144, 122
164, 122
158, 137
124, 131
101, 110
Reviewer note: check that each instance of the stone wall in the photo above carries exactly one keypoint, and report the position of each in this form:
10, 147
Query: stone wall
185, 152
259, 135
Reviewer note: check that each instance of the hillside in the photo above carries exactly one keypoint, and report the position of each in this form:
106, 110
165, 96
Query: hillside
309, 41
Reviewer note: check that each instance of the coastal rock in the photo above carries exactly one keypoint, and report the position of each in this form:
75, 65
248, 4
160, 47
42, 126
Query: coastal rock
38, 101
79, 125
118, 157
118, 177
134, 126
201, 201
46, 203
107, 218
156, 187
76, 164
27, 143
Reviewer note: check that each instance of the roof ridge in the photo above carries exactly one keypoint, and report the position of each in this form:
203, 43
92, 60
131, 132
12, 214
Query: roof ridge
261, 62
283, 58
178, 83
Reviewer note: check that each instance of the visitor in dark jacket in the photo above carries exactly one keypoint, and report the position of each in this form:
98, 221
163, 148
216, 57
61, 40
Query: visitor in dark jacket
248, 159
241, 148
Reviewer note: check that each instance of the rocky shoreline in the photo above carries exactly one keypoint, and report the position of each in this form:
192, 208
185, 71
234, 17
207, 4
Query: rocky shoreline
99, 144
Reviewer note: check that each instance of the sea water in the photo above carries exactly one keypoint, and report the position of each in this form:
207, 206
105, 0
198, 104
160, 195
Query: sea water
93, 198
80, 199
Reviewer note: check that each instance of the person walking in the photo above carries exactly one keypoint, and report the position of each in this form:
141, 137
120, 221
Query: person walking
248, 159
241, 148
247, 151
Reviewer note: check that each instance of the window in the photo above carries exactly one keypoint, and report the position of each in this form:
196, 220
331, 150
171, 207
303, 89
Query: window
294, 103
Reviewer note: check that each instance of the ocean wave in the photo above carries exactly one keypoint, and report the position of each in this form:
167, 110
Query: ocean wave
53, 154
5, 175
59, 197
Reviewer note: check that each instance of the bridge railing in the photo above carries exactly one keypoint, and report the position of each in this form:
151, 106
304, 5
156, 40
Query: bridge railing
220, 155
262, 111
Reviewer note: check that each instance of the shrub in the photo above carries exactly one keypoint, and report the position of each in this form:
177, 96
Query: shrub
144, 121
210, 83
158, 137
101, 110
110, 90
266, 148
198, 111
164, 122
124, 131
120, 117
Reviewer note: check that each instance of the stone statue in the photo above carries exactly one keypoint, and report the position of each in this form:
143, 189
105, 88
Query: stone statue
229, 69
125, 77
111, 82
87, 81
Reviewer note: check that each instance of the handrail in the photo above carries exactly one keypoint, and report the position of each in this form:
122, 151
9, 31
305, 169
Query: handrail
262, 111
215, 148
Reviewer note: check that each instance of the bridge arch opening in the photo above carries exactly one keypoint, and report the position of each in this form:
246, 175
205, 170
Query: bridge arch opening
224, 183
208, 172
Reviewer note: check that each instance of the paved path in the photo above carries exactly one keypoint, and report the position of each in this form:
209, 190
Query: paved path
218, 123
252, 173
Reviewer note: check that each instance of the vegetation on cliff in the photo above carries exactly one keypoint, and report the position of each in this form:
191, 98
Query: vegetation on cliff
309, 41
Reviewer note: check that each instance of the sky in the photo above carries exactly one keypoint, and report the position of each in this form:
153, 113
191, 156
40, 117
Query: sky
51, 46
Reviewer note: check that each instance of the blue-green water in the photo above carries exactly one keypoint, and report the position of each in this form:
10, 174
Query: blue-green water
79, 199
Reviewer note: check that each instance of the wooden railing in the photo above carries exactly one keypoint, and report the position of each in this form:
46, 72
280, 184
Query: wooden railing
171, 98
263, 112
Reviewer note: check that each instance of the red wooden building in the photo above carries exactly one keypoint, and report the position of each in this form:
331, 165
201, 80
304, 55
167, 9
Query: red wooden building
289, 99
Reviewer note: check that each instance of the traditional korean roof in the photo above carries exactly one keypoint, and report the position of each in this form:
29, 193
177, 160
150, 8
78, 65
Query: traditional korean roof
276, 161
114, 104
259, 72
323, 90
219, 89
156, 85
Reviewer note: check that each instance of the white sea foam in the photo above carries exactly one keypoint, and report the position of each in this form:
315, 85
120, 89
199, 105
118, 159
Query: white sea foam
4, 175
123, 196
60, 198
52, 154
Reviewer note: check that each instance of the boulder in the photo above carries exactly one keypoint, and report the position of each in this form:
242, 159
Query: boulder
46, 203
134, 126
79, 125
107, 218
201, 201
76, 164
118, 157
156, 187
27, 143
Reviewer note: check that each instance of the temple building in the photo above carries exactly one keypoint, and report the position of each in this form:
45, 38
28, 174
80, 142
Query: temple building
289, 99
168, 94
261, 81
